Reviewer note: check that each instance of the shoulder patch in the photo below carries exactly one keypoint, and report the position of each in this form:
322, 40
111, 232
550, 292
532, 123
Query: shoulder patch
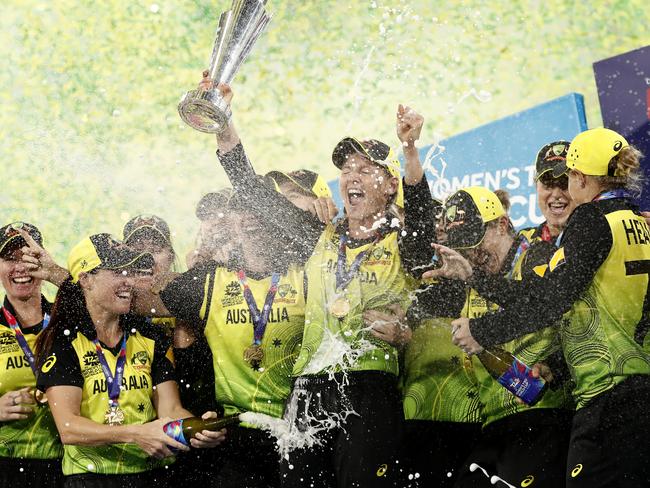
557, 260
540, 270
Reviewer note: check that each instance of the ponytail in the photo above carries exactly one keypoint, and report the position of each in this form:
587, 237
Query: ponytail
69, 311
625, 171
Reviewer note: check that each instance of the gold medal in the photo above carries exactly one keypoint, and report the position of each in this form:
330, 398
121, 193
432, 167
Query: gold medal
340, 307
114, 415
254, 355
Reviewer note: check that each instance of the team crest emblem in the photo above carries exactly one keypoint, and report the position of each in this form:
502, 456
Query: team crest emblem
452, 212
558, 149
140, 358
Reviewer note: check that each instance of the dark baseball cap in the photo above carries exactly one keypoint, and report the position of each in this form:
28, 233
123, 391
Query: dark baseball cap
10, 238
146, 225
551, 157
467, 212
310, 182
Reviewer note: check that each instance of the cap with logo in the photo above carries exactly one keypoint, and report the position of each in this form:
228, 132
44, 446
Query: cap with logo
591, 151
10, 238
103, 251
549, 157
376, 152
146, 225
308, 181
467, 213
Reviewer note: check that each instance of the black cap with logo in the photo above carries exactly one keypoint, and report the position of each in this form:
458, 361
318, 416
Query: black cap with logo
10, 238
550, 157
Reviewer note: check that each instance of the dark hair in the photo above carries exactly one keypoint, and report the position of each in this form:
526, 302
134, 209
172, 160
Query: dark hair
68, 312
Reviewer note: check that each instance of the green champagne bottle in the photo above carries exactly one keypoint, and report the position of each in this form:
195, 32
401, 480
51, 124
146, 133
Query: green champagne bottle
183, 430
514, 375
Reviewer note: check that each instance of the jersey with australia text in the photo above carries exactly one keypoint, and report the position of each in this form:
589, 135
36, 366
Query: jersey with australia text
35, 437
212, 295
73, 361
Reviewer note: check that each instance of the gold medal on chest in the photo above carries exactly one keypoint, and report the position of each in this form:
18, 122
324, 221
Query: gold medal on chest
114, 415
253, 355
340, 307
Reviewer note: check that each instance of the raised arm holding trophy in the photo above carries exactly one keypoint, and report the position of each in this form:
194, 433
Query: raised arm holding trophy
205, 109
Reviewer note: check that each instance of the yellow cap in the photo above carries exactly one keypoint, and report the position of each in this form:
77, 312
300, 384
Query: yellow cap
591, 151
104, 251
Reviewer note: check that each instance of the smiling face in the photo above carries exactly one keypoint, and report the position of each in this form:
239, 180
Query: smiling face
366, 188
15, 279
555, 202
110, 290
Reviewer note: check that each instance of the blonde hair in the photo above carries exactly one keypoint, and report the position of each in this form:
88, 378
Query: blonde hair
626, 168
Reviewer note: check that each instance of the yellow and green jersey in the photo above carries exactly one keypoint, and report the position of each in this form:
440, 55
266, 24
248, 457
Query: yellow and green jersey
214, 296
332, 344
532, 348
438, 381
73, 361
598, 278
35, 437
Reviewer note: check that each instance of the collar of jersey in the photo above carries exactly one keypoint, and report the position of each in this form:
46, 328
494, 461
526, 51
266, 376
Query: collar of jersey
45, 306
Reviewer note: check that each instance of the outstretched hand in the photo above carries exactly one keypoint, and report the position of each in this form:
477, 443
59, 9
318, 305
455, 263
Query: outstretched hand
454, 266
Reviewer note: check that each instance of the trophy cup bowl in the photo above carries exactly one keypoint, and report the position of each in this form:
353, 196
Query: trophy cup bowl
239, 28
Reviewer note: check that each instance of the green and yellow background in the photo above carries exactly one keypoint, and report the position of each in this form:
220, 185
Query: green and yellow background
90, 136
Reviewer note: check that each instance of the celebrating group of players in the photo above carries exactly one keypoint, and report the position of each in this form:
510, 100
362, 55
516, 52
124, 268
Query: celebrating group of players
367, 334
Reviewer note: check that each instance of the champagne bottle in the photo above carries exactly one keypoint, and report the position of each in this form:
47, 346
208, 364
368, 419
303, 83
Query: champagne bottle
514, 375
183, 430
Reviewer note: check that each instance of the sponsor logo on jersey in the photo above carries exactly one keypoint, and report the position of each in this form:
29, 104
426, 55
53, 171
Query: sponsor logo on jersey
232, 294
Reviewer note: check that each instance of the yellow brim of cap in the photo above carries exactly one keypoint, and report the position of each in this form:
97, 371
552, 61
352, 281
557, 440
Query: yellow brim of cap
82, 258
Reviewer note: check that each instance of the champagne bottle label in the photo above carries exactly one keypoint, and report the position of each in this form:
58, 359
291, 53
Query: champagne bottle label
519, 381
174, 430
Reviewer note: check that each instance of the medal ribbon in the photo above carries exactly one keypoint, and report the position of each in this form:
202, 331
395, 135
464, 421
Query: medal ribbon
345, 276
20, 338
523, 245
113, 382
608, 195
260, 319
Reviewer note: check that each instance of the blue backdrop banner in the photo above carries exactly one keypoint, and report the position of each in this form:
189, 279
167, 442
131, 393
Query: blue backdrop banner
501, 154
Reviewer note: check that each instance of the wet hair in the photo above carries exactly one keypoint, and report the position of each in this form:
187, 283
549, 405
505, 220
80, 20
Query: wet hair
504, 198
68, 312
626, 168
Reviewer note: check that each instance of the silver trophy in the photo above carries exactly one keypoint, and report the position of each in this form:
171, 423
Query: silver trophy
239, 28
